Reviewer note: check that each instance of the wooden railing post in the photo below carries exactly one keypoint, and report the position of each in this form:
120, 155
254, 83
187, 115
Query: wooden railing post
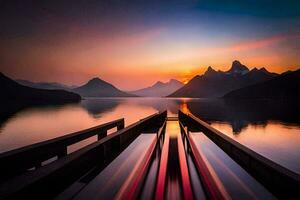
62, 152
102, 134
120, 126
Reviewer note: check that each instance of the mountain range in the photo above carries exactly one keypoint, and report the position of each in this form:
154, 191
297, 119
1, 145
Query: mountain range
159, 89
284, 86
100, 88
237, 82
45, 85
214, 83
14, 92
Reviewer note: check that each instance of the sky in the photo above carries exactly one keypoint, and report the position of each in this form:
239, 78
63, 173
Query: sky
132, 44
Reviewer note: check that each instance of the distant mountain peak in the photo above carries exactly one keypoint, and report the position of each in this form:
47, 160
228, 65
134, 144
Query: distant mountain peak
174, 81
210, 71
264, 70
95, 79
159, 83
159, 89
238, 68
97, 87
171, 81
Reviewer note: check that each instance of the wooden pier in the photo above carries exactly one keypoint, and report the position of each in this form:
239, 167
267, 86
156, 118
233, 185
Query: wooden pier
47, 171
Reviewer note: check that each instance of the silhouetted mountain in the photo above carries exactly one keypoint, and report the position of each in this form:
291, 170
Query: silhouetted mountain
159, 89
285, 86
13, 92
45, 85
217, 83
99, 88
237, 68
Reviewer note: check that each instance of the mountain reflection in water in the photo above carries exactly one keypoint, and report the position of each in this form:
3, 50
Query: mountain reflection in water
268, 127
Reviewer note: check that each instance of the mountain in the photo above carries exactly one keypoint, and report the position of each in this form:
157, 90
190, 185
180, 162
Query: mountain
99, 88
237, 68
13, 92
44, 85
214, 83
159, 89
285, 86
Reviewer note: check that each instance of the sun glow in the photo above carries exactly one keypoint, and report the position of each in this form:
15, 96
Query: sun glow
185, 81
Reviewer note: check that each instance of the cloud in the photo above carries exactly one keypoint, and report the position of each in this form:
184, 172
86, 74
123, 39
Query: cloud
261, 43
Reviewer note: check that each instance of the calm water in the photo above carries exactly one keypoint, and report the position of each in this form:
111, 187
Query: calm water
270, 128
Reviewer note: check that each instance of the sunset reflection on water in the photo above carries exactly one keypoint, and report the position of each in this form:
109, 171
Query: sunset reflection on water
274, 140
267, 128
39, 124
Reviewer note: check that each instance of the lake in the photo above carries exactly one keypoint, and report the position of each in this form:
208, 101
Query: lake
270, 128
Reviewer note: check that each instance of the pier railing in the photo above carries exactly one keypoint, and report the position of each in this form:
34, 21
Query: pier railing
211, 186
281, 181
19, 160
64, 171
134, 185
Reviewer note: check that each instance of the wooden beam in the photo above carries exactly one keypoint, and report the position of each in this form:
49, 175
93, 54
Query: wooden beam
279, 180
211, 186
134, 184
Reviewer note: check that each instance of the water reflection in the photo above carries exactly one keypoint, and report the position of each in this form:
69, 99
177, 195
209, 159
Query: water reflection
239, 114
273, 140
96, 108
271, 128
35, 124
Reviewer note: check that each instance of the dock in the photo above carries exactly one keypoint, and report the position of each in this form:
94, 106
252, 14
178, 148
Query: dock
157, 157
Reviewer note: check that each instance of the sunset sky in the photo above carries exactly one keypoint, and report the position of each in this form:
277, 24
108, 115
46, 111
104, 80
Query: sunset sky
135, 43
